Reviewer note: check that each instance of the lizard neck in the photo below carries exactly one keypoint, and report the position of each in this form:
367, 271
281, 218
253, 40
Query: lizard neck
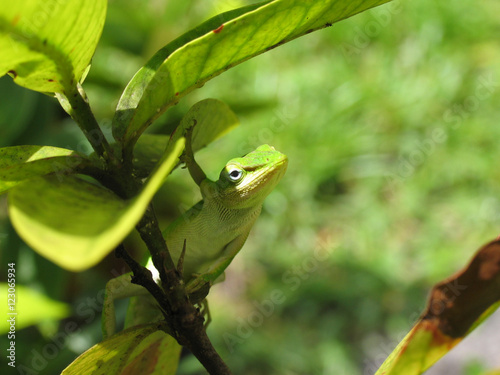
224, 214
234, 219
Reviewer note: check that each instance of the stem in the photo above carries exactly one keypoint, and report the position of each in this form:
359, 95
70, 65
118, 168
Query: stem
79, 110
184, 320
143, 276
200, 345
150, 232
128, 155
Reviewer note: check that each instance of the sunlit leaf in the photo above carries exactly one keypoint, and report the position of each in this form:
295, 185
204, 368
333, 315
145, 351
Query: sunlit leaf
75, 223
211, 119
29, 307
141, 350
456, 307
47, 46
221, 43
19, 163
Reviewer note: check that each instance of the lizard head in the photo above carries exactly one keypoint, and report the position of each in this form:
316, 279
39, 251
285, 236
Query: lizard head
248, 180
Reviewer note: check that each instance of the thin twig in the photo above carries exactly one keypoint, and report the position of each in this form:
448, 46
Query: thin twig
150, 232
79, 109
142, 276
183, 318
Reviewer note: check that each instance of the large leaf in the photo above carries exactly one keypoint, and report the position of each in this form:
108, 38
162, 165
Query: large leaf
141, 350
75, 223
47, 46
222, 42
136, 87
30, 307
213, 119
456, 307
19, 163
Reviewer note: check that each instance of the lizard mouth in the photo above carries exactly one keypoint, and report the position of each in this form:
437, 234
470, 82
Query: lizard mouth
266, 179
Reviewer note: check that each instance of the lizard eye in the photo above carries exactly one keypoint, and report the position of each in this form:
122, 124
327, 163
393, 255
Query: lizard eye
235, 174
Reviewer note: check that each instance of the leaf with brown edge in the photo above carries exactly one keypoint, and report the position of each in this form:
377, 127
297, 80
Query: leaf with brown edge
456, 303
140, 350
455, 308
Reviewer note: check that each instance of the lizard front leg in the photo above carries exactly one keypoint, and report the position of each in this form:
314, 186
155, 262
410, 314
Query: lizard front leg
201, 283
117, 288
188, 158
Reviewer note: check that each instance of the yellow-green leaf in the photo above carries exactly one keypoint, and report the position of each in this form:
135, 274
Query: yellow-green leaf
211, 119
140, 350
214, 47
75, 223
28, 307
19, 163
47, 46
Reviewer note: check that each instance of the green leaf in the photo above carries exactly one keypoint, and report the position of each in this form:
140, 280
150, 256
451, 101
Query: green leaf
19, 163
223, 42
31, 307
135, 88
75, 223
148, 151
141, 350
456, 307
47, 46
213, 119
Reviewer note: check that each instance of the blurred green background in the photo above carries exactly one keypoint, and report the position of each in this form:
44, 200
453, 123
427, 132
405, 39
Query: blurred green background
388, 121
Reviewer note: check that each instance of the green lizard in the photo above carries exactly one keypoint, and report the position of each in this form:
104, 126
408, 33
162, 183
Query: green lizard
215, 229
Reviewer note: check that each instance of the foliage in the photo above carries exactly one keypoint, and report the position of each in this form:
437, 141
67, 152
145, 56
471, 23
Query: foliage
137, 350
46, 308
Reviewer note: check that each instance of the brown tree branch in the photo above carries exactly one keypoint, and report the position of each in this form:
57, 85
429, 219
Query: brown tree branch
185, 322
